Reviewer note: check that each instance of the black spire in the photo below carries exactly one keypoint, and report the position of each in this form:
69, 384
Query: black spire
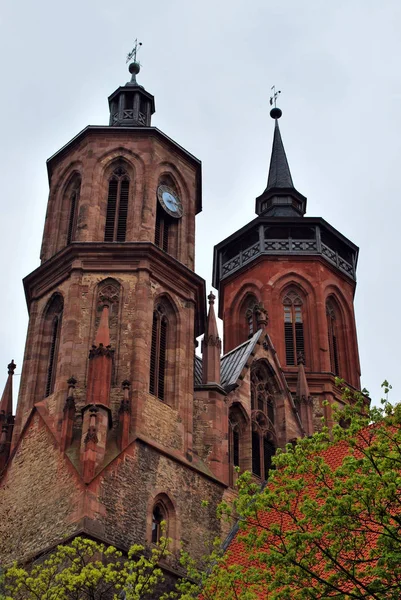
280, 198
279, 172
131, 105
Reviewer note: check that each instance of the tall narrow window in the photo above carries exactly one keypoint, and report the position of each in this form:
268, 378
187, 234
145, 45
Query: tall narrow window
162, 229
74, 197
52, 356
256, 466
263, 388
333, 338
158, 353
51, 330
293, 327
117, 207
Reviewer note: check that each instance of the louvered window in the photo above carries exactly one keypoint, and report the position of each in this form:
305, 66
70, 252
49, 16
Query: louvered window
162, 229
117, 207
293, 328
158, 353
333, 339
52, 356
73, 213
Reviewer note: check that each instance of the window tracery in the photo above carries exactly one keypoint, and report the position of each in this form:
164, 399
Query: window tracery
263, 388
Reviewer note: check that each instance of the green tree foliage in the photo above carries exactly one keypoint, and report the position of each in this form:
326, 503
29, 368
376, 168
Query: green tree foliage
87, 570
328, 524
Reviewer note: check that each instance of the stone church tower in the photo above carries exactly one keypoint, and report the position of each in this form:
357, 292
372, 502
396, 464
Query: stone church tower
119, 425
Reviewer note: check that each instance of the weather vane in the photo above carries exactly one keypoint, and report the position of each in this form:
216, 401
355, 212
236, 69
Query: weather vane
273, 98
134, 51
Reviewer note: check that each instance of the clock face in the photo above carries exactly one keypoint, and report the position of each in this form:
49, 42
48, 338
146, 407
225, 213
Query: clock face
170, 201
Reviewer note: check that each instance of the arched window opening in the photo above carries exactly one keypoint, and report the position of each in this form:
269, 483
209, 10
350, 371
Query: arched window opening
167, 225
158, 353
50, 347
237, 432
333, 337
250, 316
117, 206
163, 227
263, 388
159, 516
293, 327
52, 356
72, 220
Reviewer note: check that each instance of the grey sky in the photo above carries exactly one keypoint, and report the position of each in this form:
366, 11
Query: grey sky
210, 66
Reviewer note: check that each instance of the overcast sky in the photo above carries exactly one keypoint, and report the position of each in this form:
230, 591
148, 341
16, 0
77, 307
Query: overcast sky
210, 66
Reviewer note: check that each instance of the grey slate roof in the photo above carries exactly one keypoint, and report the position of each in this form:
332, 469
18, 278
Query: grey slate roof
232, 363
279, 172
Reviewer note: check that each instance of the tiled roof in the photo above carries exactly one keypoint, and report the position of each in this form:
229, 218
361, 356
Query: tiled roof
334, 457
232, 363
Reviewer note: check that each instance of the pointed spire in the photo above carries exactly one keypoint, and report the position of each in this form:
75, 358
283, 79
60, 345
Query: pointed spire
279, 172
211, 347
211, 329
280, 198
303, 397
103, 332
6, 403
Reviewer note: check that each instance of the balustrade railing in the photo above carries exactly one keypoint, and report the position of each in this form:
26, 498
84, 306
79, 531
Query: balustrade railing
290, 246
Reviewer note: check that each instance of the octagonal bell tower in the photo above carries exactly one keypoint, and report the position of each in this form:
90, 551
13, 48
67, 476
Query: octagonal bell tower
303, 272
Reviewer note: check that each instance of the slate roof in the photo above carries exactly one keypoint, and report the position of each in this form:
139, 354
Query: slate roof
279, 172
232, 363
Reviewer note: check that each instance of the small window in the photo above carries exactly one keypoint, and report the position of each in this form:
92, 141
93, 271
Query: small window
158, 516
117, 207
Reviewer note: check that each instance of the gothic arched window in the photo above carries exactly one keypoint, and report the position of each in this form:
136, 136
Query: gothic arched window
117, 206
293, 327
332, 327
158, 352
236, 423
72, 219
51, 329
166, 226
263, 388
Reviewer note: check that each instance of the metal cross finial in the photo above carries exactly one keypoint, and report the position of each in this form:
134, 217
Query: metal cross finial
273, 98
134, 51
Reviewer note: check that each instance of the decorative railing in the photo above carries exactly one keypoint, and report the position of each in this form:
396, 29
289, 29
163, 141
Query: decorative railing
286, 246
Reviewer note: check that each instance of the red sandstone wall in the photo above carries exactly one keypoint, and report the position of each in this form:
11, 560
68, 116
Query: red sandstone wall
268, 279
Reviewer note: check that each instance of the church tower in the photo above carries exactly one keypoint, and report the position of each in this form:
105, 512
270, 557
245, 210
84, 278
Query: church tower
303, 272
119, 424
102, 442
